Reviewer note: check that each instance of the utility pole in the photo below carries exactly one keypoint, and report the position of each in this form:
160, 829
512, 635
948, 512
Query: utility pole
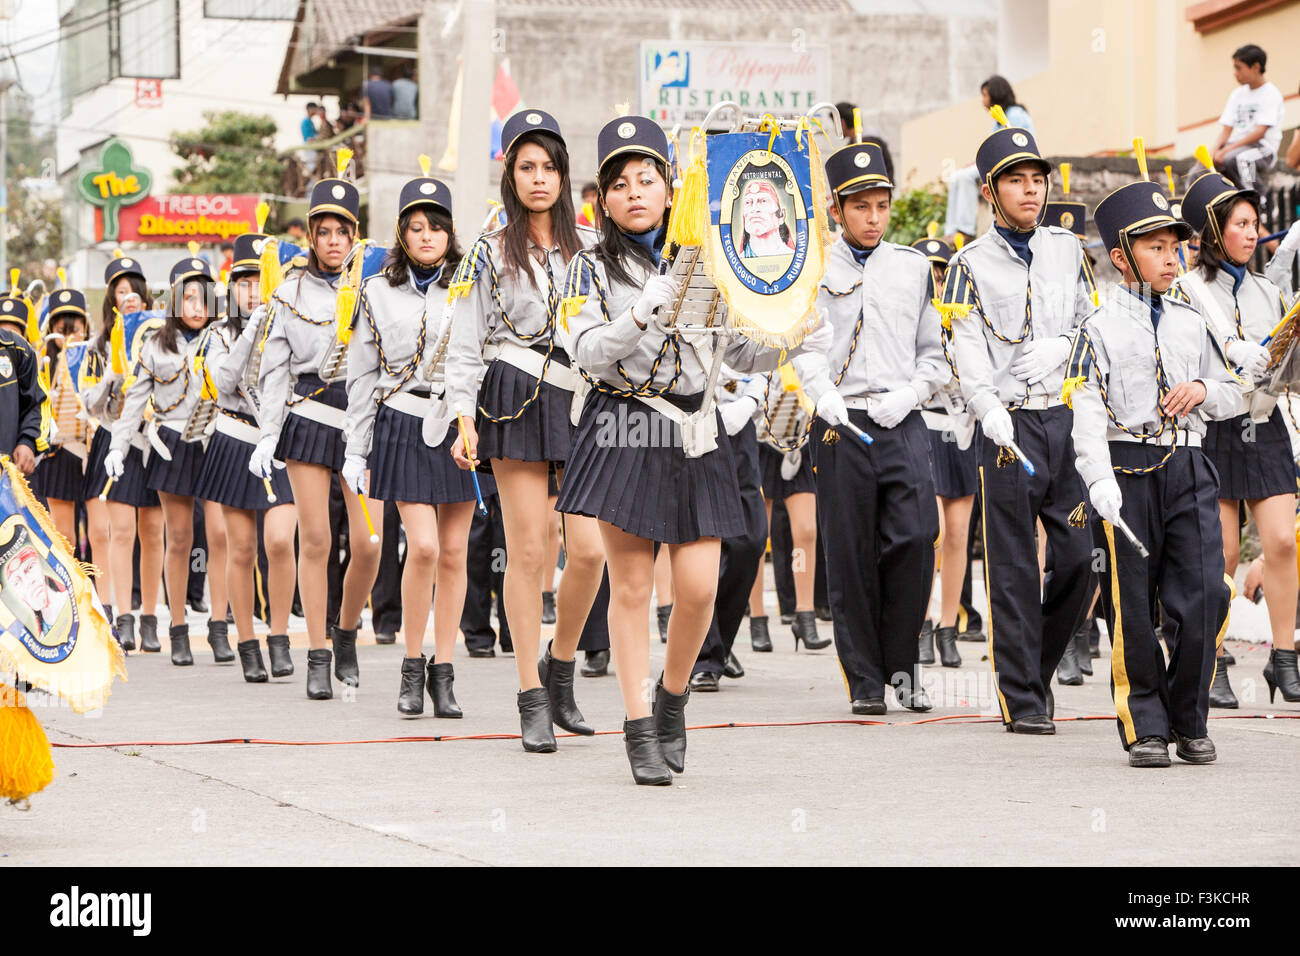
478, 19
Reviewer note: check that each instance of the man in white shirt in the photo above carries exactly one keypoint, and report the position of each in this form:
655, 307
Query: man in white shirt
1252, 122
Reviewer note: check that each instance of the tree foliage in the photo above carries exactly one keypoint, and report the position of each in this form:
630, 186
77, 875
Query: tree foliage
911, 212
234, 153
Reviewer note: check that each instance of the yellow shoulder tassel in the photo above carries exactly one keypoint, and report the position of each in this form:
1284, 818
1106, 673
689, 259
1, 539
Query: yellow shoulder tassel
26, 765
344, 305
33, 327
950, 310
1068, 387
688, 221
117, 344
270, 272
458, 290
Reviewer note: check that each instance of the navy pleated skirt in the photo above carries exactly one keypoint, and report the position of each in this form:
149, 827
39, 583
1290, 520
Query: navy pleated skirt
180, 476
776, 488
227, 480
628, 468
302, 439
541, 433
131, 489
59, 475
404, 468
955, 472
1251, 469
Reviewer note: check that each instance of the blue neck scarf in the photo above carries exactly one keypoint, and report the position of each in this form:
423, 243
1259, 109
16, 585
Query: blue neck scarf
1019, 241
861, 255
1155, 304
423, 277
1237, 272
652, 240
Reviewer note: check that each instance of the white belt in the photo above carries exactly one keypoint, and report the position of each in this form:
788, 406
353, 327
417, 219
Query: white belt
240, 431
859, 402
937, 421
1037, 403
1178, 436
699, 429
151, 433
319, 412
526, 360
408, 403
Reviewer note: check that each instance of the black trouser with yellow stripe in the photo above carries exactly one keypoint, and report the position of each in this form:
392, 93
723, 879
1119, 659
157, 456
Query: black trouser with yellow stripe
1174, 511
1029, 626
878, 521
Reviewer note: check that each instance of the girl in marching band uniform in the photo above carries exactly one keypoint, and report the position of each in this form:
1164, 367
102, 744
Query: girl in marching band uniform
60, 475
309, 437
503, 333
1251, 452
226, 479
165, 382
645, 491
117, 511
388, 398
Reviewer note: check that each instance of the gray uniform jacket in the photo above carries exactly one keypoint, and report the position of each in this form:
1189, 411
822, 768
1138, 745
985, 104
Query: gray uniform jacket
1116, 349
301, 312
166, 377
228, 359
997, 305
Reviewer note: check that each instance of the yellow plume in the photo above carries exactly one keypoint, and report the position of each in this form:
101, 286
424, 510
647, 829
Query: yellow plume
263, 210
857, 125
1203, 154
1065, 179
193, 246
622, 109
999, 116
958, 241
342, 158
931, 229
63, 276
1140, 151
425, 164
1169, 174
117, 253
13, 281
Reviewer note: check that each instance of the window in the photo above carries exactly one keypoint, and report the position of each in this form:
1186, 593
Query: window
104, 39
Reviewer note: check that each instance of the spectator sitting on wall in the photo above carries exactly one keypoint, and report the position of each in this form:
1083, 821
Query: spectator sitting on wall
377, 96
964, 186
1251, 122
406, 94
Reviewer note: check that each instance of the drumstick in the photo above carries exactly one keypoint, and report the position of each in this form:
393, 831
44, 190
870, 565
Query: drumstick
859, 432
270, 494
1132, 538
473, 473
103, 495
370, 525
1024, 459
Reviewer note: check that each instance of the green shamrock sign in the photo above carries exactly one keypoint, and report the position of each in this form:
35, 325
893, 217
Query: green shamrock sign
116, 183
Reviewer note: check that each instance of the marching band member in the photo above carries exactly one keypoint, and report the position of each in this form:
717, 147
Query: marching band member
23, 426
952, 468
877, 514
1252, 450
397, 331
1013, 298
59, 476
503, 334
129, 507
1144, 376
302, 426
642, 488
226, 479
165, 382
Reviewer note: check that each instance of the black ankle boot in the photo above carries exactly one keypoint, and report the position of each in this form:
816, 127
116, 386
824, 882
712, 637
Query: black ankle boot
318, 674
759, 638
1067, 671
1082, 656
345, 655
925, 644
644, 753
410, 697
277, 645
548, 607
557, 678
126, 631
664, 611
596, 664
1221, 694
180, 641
441, 677
946, 638
1280, 673
670, 724
149, 634
805, 629
219, 641
250, 658
535, 721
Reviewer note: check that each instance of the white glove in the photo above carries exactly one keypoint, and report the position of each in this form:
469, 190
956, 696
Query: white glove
831, 408
1040, 359
821, 339
736, 415
259, 463
658, 292
889, 409
354, 473
252, 329
1291, 241
1252, 358
1106, 498
997, 426
114, 463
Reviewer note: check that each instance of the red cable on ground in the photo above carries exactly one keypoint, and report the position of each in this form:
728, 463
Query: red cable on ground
440, 738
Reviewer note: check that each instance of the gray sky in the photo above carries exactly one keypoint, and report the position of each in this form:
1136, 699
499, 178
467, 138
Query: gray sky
35, 23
